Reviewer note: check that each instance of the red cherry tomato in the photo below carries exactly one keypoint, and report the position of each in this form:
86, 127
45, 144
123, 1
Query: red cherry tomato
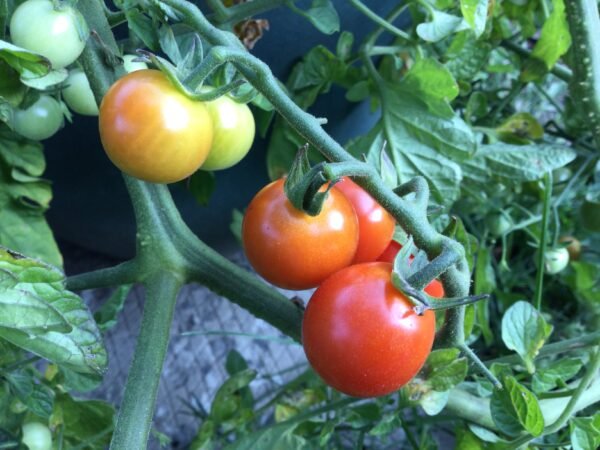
435, 288
362, 335
293, 250
375, 224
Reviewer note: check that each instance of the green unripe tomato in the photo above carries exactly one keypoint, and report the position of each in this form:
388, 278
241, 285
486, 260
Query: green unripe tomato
78, 94
41, 120
54, 33
37, 436
131, 66
234, 128
555, 260
498, 224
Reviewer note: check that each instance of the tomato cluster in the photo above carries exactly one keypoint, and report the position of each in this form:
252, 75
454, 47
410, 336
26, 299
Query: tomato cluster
360, 333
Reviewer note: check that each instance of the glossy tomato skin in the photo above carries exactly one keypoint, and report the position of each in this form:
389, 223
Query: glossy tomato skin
151, 131
78, 94
54, 33
362, 335
435, 288
40, 120
234, 130
293, 250
376, 225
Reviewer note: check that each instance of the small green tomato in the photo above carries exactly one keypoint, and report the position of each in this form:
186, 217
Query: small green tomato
41, 120
37, 436
78, 94
555, 260
131, 66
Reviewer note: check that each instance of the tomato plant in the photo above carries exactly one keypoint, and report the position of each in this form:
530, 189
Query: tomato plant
151, 131
556, 260
293, 250
131, 66
37, 436
234, 128
78, 95
375, 224
40, 120
435, 288
361, 335
56, 32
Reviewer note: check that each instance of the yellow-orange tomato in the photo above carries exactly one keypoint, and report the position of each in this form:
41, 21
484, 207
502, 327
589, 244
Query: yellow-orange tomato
151, 131
293, 250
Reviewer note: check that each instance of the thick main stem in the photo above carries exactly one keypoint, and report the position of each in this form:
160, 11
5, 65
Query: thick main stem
137, 409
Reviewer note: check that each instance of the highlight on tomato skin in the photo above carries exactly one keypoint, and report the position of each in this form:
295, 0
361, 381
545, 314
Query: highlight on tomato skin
435, 288
375, 224
362, 336
293, 250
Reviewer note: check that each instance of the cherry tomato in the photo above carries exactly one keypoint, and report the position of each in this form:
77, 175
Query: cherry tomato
37, 436
78, 94
362, 335
131, 66
435, 288
233, 133
151, 131
40, 120
293, 250
375, 224
59, 34
573, 246
555, 260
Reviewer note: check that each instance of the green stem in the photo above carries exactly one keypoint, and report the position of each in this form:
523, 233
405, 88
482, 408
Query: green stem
539, 279
137, 409
559, 71
584, 24
360, 6
237, 13
124, 273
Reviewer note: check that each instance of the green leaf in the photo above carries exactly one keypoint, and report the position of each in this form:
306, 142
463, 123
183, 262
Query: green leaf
547, 378
278, 437
37, 397
444, 369
585, 432
321, 14
420, 143
23, 61
467, 56
106, 316
25, 311
521, 125
227, 401
389, 423
524, 330
235, 362
52, 78
433, 402
475, 14
517, 163
554, 40
584, 280
143, 27
441, 25
515, 408
433, 83
87, 421
81, 349
202, 184
344, 45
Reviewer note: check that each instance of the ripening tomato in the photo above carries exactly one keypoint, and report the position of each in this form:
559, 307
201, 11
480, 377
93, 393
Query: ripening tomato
435, 288
362, 335
234, 129
54, 30
375, 224
293, 250
152, 131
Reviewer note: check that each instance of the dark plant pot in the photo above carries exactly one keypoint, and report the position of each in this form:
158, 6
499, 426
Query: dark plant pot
91, 207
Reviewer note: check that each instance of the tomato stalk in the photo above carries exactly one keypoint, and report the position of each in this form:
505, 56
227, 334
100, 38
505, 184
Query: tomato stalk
539, 279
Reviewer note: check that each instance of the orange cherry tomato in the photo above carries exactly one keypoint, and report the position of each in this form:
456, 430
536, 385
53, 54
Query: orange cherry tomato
151, 131
375, 224
293, 250
362, 335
